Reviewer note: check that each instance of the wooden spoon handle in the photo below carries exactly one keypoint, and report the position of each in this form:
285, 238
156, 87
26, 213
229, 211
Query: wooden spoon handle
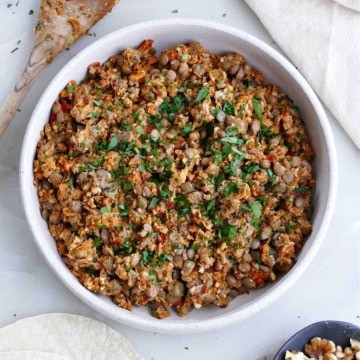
34, 67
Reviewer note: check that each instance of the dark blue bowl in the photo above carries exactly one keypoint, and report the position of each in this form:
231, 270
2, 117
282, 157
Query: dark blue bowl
338, 331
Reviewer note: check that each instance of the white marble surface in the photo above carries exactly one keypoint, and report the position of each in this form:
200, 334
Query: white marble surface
329, 289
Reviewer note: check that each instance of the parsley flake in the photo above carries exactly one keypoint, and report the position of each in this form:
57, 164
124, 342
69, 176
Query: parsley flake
203, 93
257, 108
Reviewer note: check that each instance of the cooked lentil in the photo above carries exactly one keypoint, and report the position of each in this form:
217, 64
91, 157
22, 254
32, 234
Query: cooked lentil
181, 181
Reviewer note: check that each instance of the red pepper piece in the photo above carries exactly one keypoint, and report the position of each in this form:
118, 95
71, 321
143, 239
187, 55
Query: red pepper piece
52, 118
171, 205
65, 107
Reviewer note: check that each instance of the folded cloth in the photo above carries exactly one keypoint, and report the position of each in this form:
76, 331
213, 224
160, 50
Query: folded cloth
322, 39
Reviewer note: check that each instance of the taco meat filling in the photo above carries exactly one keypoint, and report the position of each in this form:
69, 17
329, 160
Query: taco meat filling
175, 181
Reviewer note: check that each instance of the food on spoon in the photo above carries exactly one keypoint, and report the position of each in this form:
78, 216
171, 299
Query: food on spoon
59, 24
324, 349
181, 181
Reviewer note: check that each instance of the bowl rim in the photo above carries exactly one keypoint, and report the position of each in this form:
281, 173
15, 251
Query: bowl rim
252, 308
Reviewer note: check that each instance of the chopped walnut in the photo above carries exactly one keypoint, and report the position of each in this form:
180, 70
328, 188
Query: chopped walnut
319, 346
324, 349
296, 356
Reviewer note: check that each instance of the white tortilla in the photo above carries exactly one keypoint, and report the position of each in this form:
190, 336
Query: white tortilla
30, 355
70, 336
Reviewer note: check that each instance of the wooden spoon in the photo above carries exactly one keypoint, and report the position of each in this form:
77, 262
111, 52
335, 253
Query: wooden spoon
59, 24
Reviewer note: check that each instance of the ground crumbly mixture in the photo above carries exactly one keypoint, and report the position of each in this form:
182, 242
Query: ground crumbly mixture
324, 349
180, 180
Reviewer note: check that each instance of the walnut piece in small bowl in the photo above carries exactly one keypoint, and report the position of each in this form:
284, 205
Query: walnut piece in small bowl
328, 340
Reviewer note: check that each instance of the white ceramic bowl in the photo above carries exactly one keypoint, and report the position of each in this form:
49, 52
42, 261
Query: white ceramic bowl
217, 38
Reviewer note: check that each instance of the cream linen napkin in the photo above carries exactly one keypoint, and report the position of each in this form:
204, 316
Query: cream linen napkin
322, 39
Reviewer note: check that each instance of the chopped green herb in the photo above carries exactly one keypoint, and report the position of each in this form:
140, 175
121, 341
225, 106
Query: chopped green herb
97, 241
31, 12
234, 164
241, 110
289, 227
165, 192
94, 115
218, 157
231, 188
182, 203
175, 11
302, 189
226, 150
70, 183
92, 165
127, 247
123, 209
231, 131
257, 257
104, 210
257, 108
171, 108
265, 131
256, 209
238, 152
186, 130
13, 50
272, 176
70, 89
101, 145
127, 186
153, 202
195, 246
229, 108
214, 111
148, 256
250, 168
161, 259
98, 103
202, 94
230, 139
184, 57
261, 199
113, 143
228, 231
